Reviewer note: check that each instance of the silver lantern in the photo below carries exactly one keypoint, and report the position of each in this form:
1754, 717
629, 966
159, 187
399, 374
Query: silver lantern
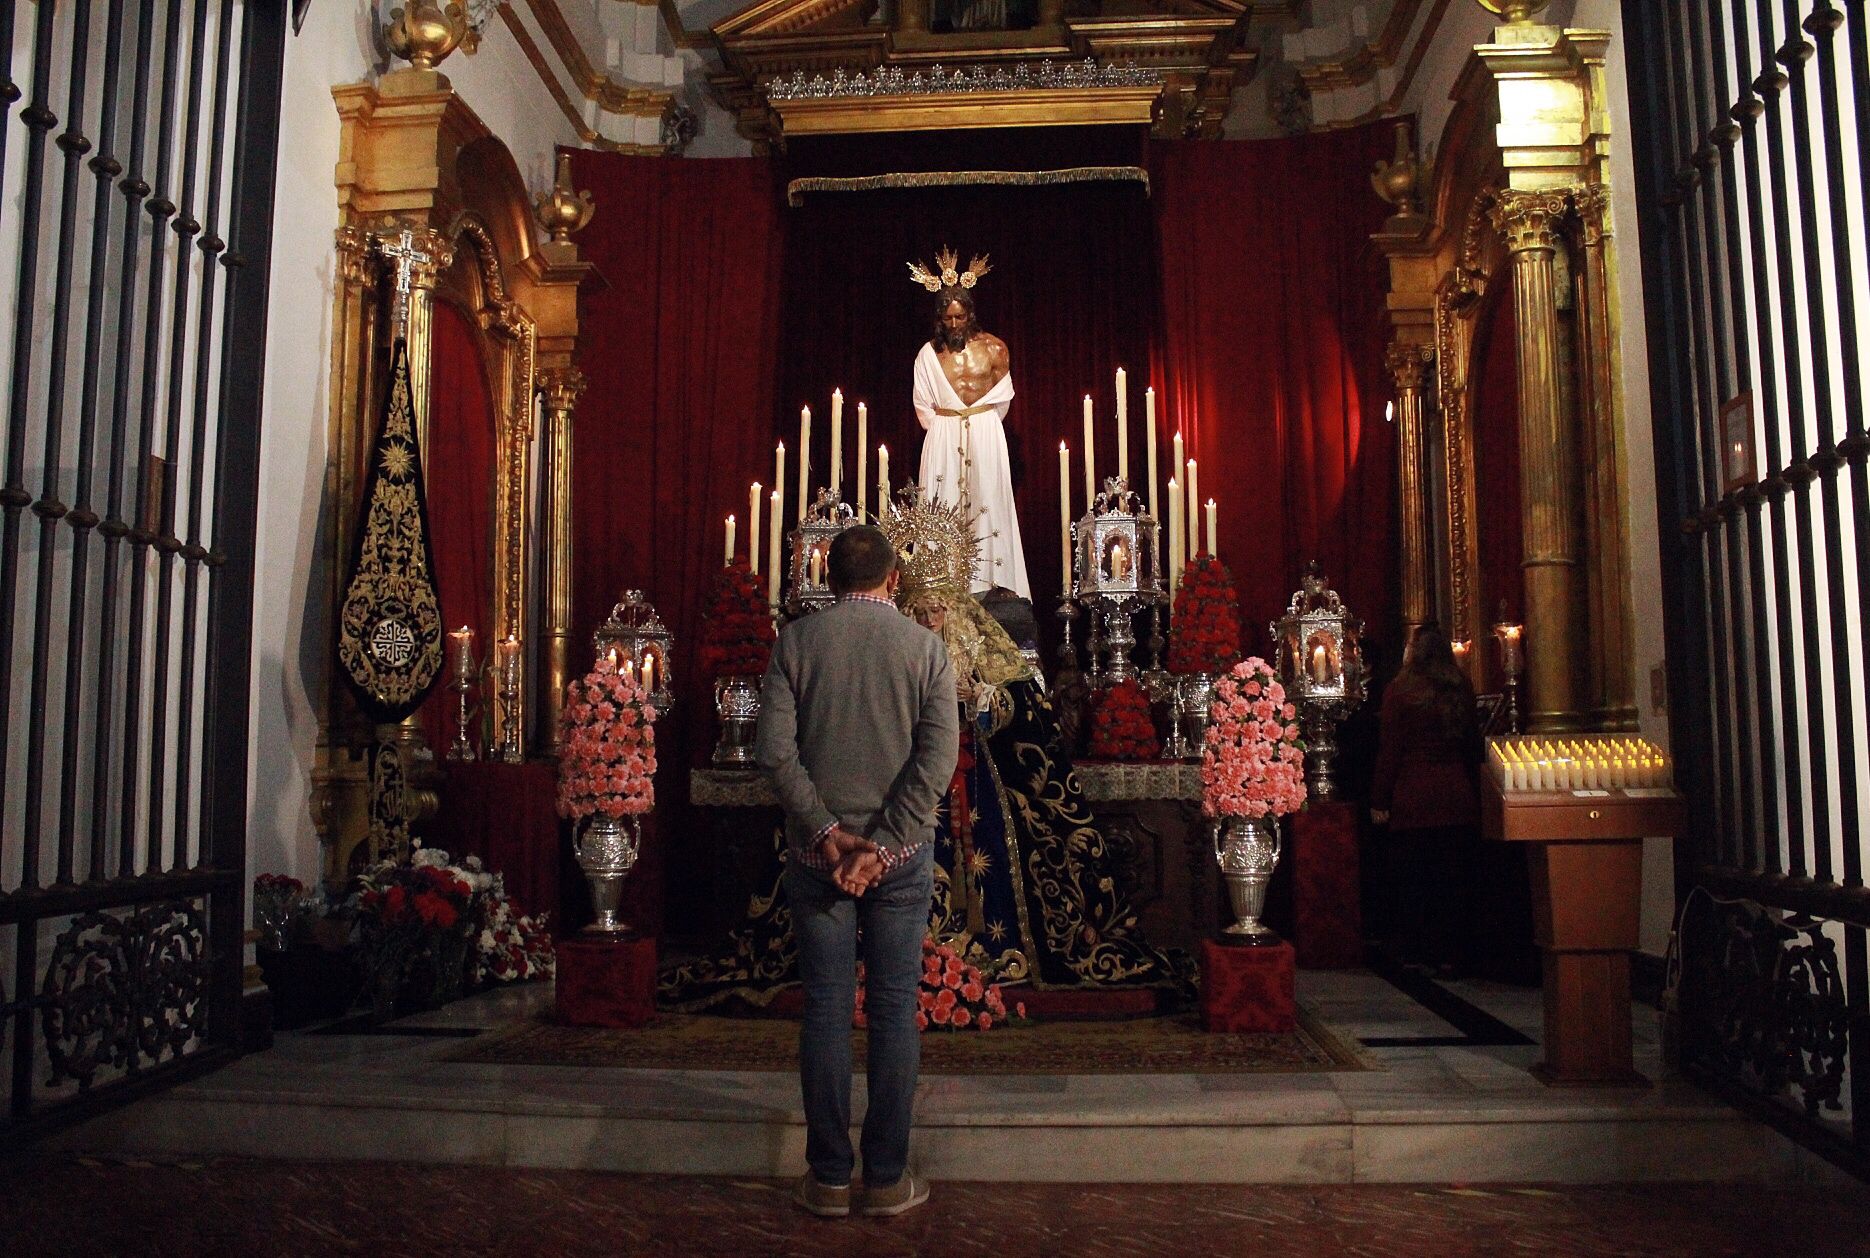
641, 647
1319, 659
809, 561
1115, 573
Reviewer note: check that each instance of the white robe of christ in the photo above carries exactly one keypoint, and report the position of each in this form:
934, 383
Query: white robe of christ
964, 459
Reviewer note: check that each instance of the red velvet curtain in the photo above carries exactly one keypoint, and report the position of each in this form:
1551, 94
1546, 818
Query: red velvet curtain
677, 345
1270, 360
1494, 394
460, 481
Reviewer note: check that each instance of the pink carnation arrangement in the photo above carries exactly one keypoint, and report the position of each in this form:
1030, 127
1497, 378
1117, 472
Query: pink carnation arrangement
1253, 764
607, 755
953, 995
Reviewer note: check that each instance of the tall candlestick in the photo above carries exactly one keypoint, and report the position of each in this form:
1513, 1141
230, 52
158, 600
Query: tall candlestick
1191, 490
883, 482
772, 557
837, 442
1123, 426
1149, 431
727, 560
863, 460
779, 468
463, 640
753, 528
1176, 465
1064, 516
805, 456
1090, 456
1175, 536
1212, 550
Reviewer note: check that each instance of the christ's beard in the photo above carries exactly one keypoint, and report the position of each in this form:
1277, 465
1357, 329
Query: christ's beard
955, 340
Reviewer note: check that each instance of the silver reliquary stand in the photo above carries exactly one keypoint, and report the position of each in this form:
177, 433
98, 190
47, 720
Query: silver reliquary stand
1319, 659
1115, 573
809, 559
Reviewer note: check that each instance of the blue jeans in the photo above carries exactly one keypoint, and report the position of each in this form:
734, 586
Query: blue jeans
892, 917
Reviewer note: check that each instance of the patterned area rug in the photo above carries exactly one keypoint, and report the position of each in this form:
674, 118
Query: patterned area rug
1161, 1045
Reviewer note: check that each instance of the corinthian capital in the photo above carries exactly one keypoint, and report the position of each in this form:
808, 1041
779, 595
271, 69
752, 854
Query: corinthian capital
1592, 201
1407, 361
562, 387
1529, 220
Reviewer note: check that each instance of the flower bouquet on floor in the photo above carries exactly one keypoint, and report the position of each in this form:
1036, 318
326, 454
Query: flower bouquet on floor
417, 921
607, 780
1252, 773
953, 995
1121, 726
736, 644
512, 946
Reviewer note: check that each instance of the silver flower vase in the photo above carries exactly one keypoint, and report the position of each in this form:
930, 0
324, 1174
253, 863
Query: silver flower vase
737, 705
1247, 850
1195, 695
607, 849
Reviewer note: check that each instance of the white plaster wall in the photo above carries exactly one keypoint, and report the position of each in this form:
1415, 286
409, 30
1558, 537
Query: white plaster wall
1429, 98
291, 630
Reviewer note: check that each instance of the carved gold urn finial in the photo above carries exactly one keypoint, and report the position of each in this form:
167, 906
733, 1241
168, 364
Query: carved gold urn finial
1518, 12
562, 211
1395, 180
425, 33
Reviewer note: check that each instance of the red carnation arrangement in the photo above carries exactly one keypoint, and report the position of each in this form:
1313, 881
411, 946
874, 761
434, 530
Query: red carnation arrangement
953, 995
1121, 727
737, 630
1204, 632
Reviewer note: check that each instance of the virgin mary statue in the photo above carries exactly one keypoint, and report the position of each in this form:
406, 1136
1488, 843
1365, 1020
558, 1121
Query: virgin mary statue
1024, 882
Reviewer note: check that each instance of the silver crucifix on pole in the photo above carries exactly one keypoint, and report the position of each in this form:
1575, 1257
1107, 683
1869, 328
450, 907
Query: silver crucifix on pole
402, 251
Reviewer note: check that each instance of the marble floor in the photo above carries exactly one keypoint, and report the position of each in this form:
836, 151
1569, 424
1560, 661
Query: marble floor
1450, 1103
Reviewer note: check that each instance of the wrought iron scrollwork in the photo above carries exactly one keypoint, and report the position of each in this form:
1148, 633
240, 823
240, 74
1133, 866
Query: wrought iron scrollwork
1763, 1003
123, 992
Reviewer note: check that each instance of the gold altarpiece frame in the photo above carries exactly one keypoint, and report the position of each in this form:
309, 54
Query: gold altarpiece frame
1519, 196
413, 155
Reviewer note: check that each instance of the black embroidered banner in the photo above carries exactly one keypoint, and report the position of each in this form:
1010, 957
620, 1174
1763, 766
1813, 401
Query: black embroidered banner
389, 628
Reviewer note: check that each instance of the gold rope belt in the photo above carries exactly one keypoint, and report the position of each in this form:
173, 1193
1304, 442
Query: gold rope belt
964, 412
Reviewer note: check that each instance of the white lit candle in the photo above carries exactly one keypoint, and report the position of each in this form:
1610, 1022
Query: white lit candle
1191, 490
649, 672
753, 528
728, 560
463, 639
779, 471
1064, 516
883, 483
1123, 426
1175, 536
1090, 456
772, 556
1212, 511
837, 442
805, 456
863, 460
1321, 664
1149, 432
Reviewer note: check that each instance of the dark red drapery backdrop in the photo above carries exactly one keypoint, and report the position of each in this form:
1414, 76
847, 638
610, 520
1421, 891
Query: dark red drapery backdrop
459, 470
1270, 360
1243, 284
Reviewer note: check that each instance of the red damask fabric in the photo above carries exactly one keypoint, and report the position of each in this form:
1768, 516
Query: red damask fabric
606, 984
1246, 989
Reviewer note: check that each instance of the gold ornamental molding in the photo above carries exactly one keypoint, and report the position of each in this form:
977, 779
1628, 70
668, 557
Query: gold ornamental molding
1197, 56
796, 190
586, 80
1039, 107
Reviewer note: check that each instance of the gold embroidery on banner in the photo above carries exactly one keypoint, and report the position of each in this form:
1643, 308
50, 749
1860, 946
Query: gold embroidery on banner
796, 190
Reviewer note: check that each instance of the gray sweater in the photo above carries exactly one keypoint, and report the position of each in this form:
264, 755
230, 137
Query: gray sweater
859, 725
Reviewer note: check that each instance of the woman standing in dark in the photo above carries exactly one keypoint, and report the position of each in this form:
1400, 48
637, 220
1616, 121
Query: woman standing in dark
1424, 786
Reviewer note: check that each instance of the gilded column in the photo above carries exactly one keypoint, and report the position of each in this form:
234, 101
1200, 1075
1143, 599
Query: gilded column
913, 15
1612, 696
1549, 478
439, 255
1407, 363
561, 387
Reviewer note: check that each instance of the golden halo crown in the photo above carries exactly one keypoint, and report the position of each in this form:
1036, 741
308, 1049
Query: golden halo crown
945, 274
936, 544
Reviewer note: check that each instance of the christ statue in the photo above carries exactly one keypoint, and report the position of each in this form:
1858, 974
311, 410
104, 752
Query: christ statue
963, 389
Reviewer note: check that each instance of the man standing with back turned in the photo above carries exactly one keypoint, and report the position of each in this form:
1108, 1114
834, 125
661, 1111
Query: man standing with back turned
858, 734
